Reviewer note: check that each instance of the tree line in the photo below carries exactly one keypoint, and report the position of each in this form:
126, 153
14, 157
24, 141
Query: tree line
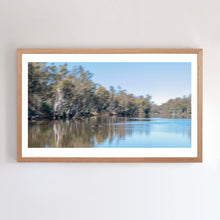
56, 91
59, 92
178, 107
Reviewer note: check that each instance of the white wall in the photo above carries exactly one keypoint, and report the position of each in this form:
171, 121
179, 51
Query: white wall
33, 191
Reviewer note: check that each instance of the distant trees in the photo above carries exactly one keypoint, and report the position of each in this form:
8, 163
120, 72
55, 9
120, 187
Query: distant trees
175, 107
56, 91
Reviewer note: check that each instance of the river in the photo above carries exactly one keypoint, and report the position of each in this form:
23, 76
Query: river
110, 132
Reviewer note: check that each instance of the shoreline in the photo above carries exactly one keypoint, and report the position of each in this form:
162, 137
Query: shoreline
98, 115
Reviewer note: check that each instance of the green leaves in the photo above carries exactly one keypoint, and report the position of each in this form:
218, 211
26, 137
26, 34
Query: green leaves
58, 90
179, 107
46, 109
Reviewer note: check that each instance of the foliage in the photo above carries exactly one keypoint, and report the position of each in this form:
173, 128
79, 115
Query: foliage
46, 109
58, 91
178, 106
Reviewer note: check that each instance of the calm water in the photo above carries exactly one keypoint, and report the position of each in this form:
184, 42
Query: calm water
102, 132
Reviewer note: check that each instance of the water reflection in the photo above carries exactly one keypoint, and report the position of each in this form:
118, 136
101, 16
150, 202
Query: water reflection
110, 132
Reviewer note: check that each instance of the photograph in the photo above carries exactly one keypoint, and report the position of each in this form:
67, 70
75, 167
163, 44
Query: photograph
109, 105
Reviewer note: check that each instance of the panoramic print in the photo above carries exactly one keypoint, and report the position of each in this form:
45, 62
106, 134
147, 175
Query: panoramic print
109, 105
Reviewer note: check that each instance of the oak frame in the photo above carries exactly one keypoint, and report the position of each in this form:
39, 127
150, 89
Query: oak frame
199, 53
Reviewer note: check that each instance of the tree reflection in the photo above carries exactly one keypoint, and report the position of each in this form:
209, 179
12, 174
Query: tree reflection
79, 133
107, 132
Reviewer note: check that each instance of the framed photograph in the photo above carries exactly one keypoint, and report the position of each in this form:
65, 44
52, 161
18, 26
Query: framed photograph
109, 105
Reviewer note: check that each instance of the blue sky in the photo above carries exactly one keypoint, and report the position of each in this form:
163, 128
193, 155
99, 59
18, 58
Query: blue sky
162, 81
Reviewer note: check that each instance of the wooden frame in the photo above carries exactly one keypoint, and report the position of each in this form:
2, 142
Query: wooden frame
199, 53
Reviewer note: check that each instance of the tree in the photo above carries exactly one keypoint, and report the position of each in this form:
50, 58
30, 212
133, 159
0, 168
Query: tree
56, 90
102, 98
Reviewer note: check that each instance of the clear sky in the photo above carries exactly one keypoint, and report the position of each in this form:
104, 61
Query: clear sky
162, 81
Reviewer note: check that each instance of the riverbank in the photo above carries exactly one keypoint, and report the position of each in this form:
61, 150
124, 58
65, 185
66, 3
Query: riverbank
171, 115
82, 115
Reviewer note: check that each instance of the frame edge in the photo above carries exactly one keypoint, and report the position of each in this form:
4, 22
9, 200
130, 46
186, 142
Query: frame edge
197, 159
19, 105
200, 105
